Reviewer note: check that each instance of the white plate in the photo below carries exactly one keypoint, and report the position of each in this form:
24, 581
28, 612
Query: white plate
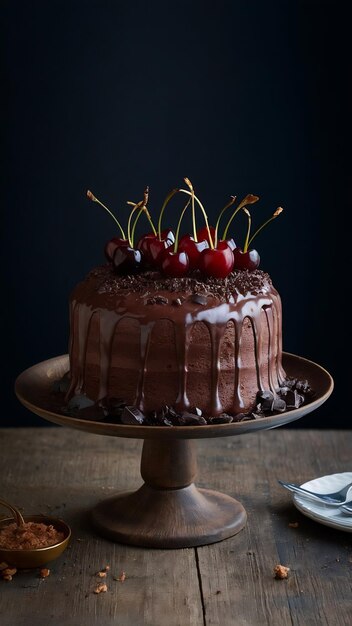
323, 513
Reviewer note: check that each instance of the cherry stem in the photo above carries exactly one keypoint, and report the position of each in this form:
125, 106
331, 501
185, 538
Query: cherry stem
94, 199
142, 205
177, 234
273, 217
204, 214
166, 202
148, 216
233, 199
188, 182
249, 199
135, 208
246, 243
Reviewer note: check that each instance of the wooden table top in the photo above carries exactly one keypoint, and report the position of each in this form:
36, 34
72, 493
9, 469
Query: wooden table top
64, 472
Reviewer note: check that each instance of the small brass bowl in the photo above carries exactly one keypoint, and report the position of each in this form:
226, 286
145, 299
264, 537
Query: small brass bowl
36, 557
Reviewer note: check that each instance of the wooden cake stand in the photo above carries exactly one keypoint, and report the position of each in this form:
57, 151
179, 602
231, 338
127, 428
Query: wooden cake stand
168, 511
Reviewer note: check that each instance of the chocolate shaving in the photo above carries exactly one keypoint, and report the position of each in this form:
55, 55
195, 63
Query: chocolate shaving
106, 281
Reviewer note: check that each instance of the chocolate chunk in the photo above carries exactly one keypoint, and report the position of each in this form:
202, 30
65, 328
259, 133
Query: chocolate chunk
198, 298
292, 398
255, 416
265, 399
290, 383
79, 402
299, 399
242, 417
221, 419
113, 408
132, 415
113, 404
304, 386
265, 395
171, 412
166, 422
278, 405
161, 300
189, 419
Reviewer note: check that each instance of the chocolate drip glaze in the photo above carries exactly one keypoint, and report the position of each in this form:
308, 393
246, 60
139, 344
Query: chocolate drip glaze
246, 302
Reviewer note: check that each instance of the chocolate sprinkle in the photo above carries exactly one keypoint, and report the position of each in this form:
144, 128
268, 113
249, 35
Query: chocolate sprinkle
239, 282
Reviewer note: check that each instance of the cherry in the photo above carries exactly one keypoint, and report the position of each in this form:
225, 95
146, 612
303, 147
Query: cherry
151, 246
174, 264
156, 247
193, 249
112, 245
248, 260
217, 262
127, 260
143, 245
204, 234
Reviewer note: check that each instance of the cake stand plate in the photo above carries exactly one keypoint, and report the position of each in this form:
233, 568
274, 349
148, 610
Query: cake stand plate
168, 511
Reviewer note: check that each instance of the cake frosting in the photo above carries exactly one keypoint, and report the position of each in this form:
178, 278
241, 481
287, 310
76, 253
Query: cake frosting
191, 343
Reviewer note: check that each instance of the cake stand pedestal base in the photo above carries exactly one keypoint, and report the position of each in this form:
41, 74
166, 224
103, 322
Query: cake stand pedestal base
168, 511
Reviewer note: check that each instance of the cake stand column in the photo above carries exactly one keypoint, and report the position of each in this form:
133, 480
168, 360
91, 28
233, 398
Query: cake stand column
168, 511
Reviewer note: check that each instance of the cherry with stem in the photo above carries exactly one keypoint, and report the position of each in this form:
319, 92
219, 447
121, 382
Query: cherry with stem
249, 259
173, 262
192, 194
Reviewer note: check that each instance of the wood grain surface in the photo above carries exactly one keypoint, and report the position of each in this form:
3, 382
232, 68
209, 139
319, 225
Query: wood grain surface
64, 472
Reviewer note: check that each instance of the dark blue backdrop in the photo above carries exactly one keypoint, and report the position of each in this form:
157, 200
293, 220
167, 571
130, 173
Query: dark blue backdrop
241, 96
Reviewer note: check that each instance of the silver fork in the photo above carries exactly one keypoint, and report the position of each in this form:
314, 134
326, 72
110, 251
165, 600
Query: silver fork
338, 498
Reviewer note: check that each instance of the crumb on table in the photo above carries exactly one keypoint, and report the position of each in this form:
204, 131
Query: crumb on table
281, 571
101, 588
44, 572
7, 573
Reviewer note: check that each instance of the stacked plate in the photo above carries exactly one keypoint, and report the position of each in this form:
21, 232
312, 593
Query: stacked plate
323, 513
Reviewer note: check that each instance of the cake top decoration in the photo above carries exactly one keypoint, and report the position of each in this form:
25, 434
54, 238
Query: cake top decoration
173, 255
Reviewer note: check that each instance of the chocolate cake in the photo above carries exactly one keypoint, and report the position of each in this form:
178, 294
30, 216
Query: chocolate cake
178, 331
182, 342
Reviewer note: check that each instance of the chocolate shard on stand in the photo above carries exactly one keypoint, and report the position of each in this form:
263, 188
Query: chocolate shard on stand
265, 400
304, 386
131, 415
221, 419
292, 398
189, 419
278, 405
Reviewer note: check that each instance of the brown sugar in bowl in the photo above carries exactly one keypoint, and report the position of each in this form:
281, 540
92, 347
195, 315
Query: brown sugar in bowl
36, 557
